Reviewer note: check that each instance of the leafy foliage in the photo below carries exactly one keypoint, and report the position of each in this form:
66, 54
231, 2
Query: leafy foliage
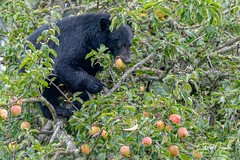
194, 73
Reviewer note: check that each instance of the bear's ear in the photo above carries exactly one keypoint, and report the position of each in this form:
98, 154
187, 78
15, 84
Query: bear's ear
104, 24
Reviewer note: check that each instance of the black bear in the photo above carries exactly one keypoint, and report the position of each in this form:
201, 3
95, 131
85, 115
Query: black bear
78, 36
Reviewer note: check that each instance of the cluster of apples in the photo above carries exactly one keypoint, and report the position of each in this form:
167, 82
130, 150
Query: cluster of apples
95, 130
13, 146
15, 109
182, 133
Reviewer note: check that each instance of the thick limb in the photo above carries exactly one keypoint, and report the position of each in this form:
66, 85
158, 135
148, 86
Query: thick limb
52, 94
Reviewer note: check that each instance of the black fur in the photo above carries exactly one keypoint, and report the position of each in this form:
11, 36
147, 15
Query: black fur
78, 36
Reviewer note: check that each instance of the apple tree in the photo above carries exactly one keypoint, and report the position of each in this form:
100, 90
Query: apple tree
179, 98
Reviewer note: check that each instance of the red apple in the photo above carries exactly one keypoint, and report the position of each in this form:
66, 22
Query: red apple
145, 114
13, 146
160, 15
119, 64
168, 128
197, 155
3, 113
19, 102
104, 134
16, 110
14, 100
182, 133
160, 125
147, 141
175, 118
141, 89
173, 150
25, 126
125, 151
85, 149
94, 130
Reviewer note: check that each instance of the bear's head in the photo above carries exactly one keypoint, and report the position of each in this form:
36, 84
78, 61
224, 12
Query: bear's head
119, 40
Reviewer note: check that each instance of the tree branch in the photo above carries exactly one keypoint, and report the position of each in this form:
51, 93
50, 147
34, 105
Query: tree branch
95, 143
156, 71
56, 130
45, 102
228, 43
228, 48
58, 153
62, 135
45, 130
64, 95
125, 75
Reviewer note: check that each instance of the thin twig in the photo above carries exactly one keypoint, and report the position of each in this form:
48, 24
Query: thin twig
125, 75
68, 100
156, 71
15, 101
95, 143
185, 27
197, 38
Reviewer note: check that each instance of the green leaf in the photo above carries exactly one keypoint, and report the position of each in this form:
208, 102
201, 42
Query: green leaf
148, 5
31, 46
91, 54
166, 11
222, 99
58, 30
199, 18
51, 31
114, 22
189, 101
54, 53
111, 114
131, 108
187, 88
43, 82
209, 15
184, 156
54, 39
37, 148
34, 131
24, 62
45, 10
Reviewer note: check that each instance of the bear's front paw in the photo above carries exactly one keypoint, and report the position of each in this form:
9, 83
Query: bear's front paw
94, 86
64, 112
